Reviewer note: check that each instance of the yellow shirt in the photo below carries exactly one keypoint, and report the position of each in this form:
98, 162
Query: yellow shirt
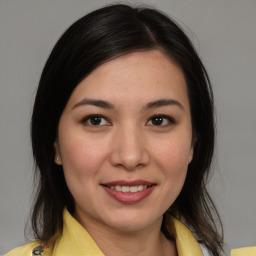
76, 241
246, 251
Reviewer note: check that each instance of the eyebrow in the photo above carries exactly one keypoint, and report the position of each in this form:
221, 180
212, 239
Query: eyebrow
107, 105
164, 102
94, 102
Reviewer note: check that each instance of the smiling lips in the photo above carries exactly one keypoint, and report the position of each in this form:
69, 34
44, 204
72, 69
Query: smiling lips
131, 189
129, 192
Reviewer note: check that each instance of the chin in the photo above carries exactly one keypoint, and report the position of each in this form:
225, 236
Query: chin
131, 221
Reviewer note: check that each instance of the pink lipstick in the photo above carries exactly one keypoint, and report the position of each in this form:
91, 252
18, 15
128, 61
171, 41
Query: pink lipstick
129, 192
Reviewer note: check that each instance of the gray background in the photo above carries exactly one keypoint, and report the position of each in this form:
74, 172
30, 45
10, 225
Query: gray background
224, 32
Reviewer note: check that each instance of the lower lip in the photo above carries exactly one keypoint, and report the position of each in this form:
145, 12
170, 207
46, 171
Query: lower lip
129, 198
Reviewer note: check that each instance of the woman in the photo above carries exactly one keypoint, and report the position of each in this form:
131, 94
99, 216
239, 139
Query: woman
123, 137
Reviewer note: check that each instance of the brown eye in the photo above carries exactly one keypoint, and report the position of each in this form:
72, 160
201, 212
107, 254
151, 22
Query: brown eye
160, 120
95, 120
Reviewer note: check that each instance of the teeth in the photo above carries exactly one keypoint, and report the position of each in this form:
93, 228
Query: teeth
125, 189
129, 189
118, 188
140, 187
133, 189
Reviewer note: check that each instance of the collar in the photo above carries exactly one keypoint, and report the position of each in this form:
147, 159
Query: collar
75, 240
248, 251
186, 242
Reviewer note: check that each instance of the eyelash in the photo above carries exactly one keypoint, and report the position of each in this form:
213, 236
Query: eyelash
87, 119
169, 119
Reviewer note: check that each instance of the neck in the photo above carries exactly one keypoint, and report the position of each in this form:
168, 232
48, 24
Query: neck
147, 242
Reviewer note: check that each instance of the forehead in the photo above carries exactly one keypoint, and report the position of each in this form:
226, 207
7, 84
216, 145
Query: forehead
132, 78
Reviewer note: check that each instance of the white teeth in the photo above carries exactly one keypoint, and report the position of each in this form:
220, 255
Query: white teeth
134, 189
140, 187
127, 189
118, 188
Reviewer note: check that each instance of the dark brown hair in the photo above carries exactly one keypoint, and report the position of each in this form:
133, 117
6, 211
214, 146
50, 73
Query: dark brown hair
92, 40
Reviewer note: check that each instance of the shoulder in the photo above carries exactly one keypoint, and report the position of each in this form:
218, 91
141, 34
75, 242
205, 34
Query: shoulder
24, 250
248, 251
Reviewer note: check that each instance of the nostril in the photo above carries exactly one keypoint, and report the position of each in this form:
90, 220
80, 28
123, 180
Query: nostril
129, 159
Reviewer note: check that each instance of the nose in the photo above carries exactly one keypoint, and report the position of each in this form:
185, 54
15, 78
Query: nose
129, 150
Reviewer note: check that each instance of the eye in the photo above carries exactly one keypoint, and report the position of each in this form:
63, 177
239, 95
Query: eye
95, 120
160, 120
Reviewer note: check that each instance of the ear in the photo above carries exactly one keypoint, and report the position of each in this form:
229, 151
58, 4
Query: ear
57, 157
191, 153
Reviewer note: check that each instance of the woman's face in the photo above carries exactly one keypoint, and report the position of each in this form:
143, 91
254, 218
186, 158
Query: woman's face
125, 141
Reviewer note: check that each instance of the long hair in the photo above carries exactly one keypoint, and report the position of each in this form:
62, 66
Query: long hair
102, 35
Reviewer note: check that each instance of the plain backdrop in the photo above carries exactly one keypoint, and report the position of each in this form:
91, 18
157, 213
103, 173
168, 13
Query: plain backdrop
224, 33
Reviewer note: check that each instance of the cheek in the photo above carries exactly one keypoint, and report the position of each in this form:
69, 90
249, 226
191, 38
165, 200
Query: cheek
81, 156
172, 157
81, 162
173, 153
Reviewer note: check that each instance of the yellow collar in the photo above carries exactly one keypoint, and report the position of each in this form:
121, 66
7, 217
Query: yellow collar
186, 243
248, 251
75, 240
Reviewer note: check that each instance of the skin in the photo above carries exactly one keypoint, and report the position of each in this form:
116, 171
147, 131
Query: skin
127, 145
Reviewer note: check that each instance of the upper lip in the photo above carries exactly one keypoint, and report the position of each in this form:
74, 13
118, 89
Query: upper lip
128, 183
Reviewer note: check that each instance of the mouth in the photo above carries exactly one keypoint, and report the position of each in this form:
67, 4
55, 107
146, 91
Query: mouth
129, 192
129, 189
